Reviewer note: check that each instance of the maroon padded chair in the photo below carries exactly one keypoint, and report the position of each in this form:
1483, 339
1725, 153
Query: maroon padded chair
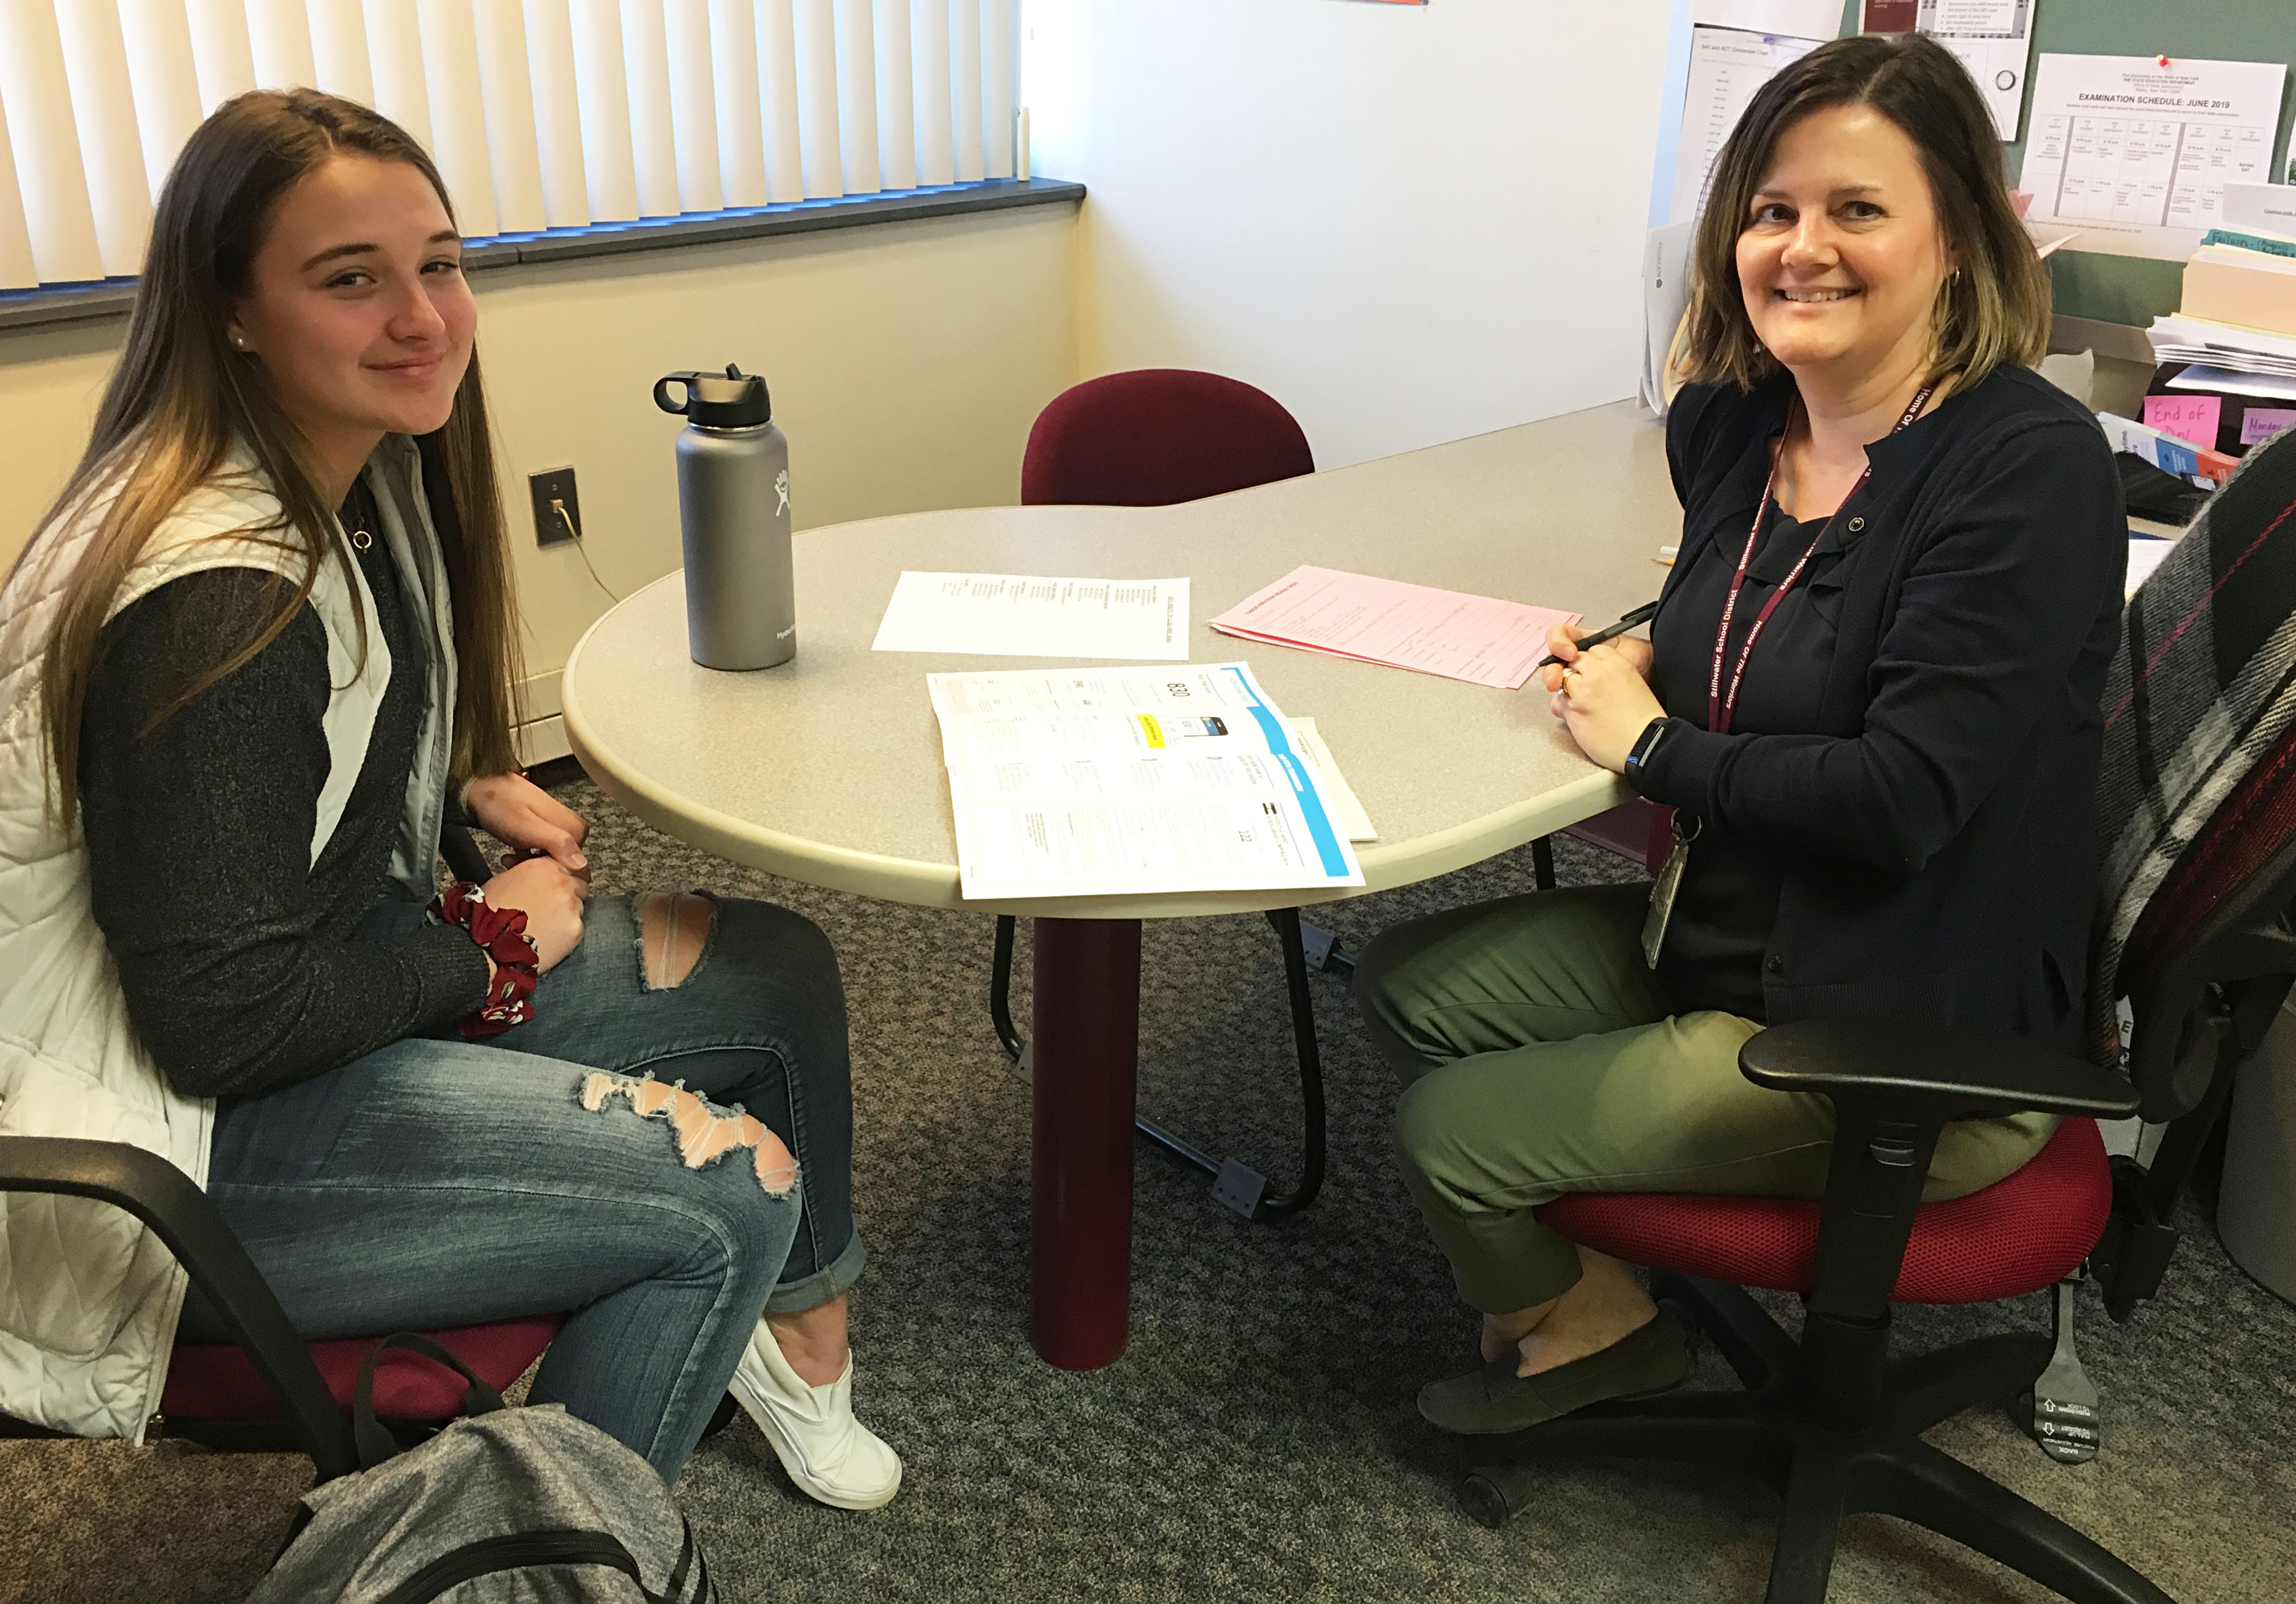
266, 1390
1155, 437
1829, 1421
215, 1395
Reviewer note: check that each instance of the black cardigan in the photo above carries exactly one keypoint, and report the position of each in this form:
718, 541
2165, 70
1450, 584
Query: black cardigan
1938, 825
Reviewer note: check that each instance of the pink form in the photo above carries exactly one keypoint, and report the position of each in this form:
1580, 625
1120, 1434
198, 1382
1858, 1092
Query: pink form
1478, 638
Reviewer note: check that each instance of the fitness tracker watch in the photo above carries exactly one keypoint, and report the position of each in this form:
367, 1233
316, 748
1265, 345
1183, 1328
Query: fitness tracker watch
1645, 745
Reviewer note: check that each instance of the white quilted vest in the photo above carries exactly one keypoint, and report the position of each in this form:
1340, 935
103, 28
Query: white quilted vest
88, 1298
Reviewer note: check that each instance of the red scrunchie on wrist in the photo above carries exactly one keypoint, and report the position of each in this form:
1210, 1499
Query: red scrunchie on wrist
501, 934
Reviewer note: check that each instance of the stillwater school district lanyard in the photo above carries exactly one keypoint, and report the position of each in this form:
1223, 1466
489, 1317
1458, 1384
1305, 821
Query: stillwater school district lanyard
1721, 708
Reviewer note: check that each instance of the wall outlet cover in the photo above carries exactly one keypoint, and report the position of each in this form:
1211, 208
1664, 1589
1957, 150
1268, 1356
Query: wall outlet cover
555, 485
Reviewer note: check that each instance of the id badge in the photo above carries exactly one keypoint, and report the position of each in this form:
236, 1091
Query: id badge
1663, 890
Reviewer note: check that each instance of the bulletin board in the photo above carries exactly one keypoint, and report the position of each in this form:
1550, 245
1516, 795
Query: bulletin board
2133, 290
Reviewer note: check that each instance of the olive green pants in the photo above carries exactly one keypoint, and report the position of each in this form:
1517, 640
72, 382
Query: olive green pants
1540, 1057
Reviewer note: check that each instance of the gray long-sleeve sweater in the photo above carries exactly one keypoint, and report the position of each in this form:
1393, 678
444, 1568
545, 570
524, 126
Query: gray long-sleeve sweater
242, 959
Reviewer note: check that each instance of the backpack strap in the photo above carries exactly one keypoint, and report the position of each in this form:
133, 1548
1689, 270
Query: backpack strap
516, 1551
689, 1558
375, 1444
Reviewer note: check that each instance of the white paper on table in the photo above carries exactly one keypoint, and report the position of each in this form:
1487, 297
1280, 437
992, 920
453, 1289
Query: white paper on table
1727, 66
1345, 806
1026, 615
2275, 387
1131, 781
2136, 155
2145, 554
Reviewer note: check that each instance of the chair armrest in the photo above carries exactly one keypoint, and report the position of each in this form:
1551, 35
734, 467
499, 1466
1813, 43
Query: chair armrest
1894, 1084
1930, 1070
165, 1198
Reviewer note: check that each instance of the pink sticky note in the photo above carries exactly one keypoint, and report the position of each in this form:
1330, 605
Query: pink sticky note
2188, 417
2261, 424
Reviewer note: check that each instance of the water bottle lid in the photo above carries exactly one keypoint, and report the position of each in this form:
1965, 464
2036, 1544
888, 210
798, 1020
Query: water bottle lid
731, 400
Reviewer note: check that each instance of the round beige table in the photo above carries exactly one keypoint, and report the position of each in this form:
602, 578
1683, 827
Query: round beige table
828, 768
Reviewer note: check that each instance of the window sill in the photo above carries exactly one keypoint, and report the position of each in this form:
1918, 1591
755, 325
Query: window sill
116, 297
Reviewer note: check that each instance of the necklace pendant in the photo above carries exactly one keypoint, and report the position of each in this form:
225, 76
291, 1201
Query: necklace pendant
361, 540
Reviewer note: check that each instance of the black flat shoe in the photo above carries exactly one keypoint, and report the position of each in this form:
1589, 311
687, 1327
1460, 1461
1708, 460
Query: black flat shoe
1653, 1358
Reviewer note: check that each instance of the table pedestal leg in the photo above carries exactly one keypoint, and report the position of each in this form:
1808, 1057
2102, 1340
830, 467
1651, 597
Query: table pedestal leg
1084, 1048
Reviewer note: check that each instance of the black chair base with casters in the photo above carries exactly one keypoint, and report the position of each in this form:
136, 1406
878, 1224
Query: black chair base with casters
1777, 1432
1234, 1183
1828, 1421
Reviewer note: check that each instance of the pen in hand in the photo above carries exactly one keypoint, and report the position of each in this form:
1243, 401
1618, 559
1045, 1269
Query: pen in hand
1640, 615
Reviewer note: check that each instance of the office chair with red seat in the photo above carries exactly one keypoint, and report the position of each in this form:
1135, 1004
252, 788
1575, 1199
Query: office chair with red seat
1832, 1426
1153, 438
1828, 1421
1157, 436
266, 1390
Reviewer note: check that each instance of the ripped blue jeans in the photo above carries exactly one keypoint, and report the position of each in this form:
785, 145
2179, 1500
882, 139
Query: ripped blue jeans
442, 1182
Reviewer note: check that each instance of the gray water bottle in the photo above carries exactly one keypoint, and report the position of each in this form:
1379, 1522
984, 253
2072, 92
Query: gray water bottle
734, 508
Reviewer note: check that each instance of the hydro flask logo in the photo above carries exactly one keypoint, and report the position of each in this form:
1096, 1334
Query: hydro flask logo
781, 488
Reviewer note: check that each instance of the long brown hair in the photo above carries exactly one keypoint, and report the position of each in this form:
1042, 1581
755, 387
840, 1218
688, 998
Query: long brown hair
1994, 309
180, 400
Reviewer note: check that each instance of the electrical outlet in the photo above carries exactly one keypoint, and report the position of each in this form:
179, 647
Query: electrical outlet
551, 491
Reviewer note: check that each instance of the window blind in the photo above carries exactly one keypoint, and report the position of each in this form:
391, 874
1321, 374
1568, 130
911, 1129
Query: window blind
541, 114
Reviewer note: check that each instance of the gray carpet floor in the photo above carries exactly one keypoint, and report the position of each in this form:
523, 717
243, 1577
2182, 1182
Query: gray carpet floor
1258, 1439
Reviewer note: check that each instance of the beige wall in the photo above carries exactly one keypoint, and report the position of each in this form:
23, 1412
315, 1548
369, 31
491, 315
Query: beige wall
907, 361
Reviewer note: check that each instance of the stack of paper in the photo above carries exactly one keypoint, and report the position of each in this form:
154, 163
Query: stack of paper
2230, 284
2177, 338
2237, 325
1478, 638
1132, 781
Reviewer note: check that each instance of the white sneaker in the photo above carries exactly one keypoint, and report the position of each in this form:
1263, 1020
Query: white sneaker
829, 1454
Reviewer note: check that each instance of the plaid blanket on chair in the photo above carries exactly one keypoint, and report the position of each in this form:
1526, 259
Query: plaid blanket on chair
2202, 686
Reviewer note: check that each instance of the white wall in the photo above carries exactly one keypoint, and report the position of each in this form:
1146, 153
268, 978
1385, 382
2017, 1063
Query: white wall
1406, 224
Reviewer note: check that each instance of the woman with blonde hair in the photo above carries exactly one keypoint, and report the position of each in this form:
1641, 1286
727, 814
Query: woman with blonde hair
1870, 696
262, 647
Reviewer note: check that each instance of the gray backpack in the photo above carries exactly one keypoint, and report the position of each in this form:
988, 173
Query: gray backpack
504, 1506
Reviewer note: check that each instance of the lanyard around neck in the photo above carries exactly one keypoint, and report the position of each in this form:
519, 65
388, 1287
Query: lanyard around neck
1721, 706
